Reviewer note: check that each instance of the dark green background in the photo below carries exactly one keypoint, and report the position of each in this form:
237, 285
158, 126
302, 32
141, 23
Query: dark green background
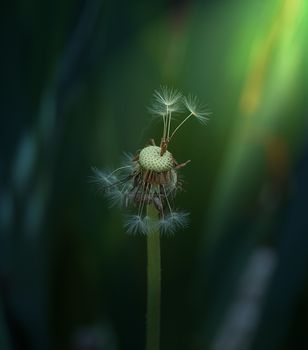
76, 80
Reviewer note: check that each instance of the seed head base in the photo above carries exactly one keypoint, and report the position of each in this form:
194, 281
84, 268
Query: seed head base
150, 158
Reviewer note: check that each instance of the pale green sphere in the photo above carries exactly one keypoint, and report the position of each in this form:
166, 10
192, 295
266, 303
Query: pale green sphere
150, 159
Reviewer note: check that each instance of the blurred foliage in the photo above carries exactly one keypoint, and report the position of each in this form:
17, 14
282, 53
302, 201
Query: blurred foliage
76, 80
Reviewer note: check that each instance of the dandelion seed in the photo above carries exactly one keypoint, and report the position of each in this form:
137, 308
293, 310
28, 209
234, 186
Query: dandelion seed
116, 196
167, 97
136, 224
194, 106
173, 221
102, 179
127, 161
151, 176
165, 101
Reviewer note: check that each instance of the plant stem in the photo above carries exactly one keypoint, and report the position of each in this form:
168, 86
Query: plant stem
154, 282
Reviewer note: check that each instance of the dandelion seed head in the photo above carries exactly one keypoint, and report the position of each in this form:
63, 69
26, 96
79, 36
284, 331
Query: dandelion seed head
150, 158
150, 177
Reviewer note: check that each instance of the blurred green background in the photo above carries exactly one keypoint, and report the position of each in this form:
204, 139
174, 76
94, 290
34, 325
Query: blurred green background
76, 78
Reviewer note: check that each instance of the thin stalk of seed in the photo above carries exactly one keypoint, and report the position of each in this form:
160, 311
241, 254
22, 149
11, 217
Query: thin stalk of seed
178, 127
169, 125
154, 281
164, 130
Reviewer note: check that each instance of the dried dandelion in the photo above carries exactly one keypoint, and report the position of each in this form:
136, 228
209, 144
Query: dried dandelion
148, 183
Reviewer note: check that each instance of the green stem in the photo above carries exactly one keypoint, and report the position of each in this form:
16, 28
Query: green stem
154, 283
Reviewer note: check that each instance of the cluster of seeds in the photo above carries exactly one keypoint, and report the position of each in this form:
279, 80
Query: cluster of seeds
150, 177
150, 158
